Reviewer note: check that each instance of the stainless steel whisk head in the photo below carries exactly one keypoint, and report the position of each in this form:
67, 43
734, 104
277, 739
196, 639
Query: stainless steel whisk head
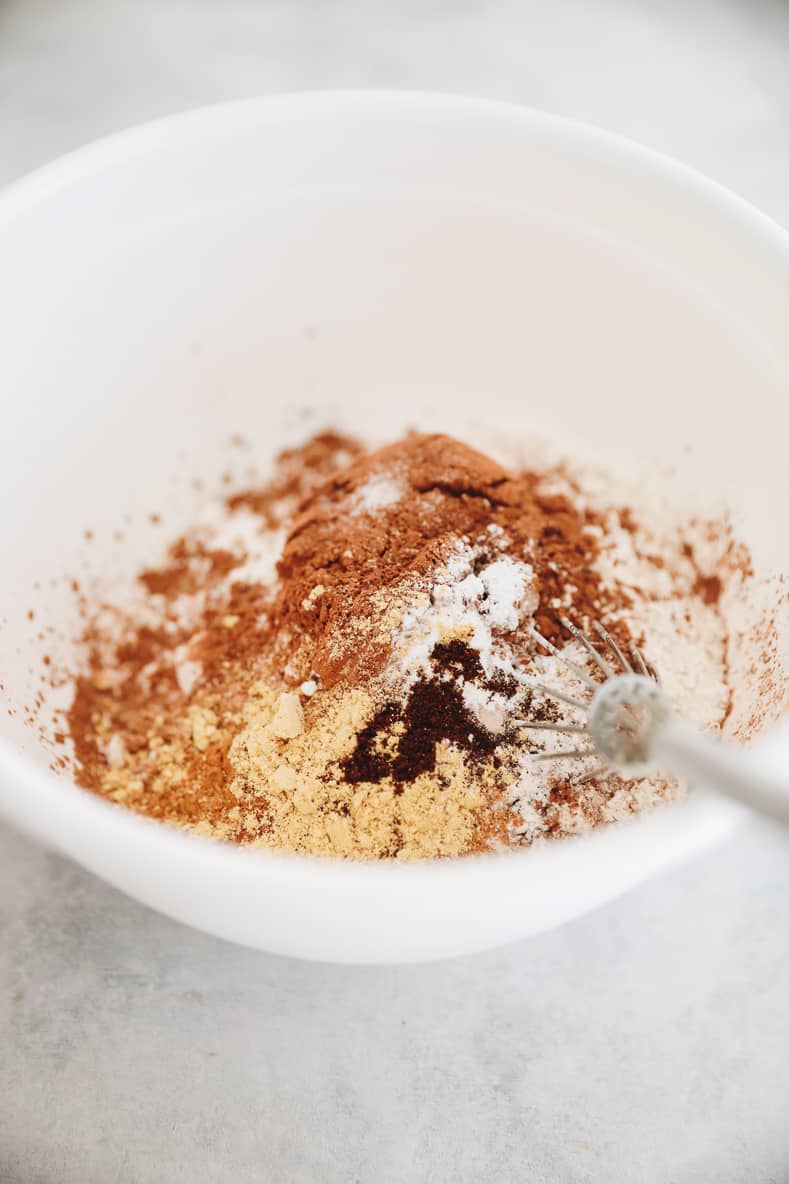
628, 726
620, 717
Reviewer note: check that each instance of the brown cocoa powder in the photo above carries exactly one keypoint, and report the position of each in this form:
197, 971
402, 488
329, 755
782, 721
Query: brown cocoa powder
448, 491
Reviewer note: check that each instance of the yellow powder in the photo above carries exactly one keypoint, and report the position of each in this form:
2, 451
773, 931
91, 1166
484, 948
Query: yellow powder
204, 722
288, 719
291, 783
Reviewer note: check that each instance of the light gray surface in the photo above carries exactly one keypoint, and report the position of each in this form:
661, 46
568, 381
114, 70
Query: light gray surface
645, 1043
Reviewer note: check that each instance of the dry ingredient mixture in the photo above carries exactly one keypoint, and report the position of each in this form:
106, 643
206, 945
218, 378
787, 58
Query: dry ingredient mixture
334, 664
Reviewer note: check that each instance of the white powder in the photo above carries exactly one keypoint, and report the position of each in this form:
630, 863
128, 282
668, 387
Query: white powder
505, 586
187, 610
490, 708
115, 751
242, 533
187, 672
379, 492
481, 606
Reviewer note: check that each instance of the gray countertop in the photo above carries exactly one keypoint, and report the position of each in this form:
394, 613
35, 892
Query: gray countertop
647, 1042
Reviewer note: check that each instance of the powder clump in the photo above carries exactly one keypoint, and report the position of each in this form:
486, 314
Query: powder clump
338, 664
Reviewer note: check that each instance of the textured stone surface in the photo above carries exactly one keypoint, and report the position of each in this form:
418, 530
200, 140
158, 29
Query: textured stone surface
644, 1043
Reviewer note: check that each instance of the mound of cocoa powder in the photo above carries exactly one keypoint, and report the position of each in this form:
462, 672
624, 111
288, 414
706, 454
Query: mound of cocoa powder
358, 560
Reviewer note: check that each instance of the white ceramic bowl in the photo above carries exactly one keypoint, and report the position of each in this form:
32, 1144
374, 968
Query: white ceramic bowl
404, 258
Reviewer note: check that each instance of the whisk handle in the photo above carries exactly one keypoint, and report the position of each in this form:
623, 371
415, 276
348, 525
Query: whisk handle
757, 780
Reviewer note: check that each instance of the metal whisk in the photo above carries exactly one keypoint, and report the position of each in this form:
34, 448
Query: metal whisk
627, 725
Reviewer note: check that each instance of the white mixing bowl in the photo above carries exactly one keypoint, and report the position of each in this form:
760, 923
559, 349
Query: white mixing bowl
403, 259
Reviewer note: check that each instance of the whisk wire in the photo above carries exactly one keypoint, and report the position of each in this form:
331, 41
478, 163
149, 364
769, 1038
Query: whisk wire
596, 771
634, 666
568, 754
557, 653
552, 693
615, 650
637, 657
581, 637
550, 726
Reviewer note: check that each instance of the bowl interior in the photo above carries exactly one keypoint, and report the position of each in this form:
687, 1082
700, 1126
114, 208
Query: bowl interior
376, 263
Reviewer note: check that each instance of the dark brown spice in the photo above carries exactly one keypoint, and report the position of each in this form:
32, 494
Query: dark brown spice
434, 712
458, 658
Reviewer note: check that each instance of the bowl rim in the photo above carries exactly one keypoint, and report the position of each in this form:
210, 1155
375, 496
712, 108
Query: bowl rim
139, 139
38, 794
